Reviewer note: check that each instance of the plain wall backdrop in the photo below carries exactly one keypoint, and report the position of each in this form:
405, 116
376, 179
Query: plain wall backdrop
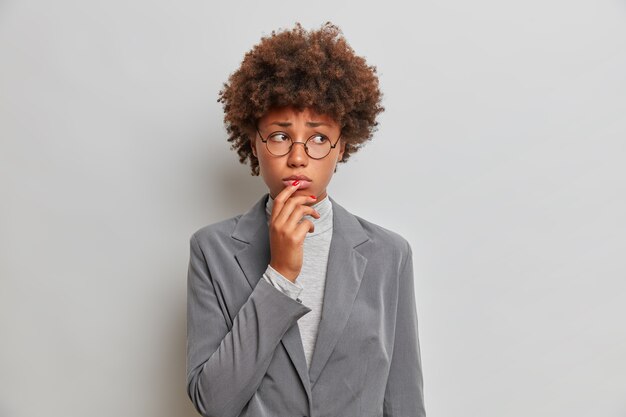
500, 157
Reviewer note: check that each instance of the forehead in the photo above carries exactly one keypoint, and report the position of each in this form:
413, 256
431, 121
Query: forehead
291, 114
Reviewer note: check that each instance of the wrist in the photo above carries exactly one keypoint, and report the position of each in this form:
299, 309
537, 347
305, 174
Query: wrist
290, 274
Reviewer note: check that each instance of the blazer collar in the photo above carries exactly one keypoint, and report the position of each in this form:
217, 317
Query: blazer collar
343, 278
251, 222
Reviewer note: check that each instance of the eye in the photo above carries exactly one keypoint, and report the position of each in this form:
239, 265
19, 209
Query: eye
318, 139
279, 137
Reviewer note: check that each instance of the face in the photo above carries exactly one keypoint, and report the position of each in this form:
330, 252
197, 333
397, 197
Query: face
300, 126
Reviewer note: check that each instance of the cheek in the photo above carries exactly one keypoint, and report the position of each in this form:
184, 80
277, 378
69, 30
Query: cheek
268, 169
329, 167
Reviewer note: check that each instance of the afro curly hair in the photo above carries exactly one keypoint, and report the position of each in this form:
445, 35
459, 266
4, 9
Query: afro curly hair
314, 69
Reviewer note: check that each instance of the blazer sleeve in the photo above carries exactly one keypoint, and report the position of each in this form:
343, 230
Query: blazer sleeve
225, 366
404, 391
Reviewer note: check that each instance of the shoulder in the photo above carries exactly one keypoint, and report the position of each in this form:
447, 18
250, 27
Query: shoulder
231, 232
376, 234
376, 239
389, 254
383, 236
215, 233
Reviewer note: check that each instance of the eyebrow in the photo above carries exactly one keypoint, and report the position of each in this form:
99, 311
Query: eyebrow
310, 124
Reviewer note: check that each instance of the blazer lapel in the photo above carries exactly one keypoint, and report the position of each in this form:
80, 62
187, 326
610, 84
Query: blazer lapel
343, 279
252, 229
253, 259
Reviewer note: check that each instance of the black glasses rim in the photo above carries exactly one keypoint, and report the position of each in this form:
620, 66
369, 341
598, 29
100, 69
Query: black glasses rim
306, 149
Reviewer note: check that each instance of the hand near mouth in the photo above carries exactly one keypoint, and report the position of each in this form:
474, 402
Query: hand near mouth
288, 229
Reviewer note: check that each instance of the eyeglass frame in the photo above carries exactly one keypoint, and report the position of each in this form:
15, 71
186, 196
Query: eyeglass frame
306, 149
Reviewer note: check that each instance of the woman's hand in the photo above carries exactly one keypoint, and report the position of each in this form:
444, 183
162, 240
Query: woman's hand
287, 231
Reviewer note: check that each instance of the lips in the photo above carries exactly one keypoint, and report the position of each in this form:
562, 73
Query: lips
301, 186
298, 177
305, 182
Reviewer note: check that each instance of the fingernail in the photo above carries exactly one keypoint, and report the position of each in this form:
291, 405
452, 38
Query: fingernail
296, 182
312, 196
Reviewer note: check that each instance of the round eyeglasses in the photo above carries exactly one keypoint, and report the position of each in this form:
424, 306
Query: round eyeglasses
280, 143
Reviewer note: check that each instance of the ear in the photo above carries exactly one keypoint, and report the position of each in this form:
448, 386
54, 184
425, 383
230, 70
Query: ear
342, 149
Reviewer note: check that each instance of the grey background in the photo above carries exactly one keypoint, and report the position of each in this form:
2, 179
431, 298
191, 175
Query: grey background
500, 158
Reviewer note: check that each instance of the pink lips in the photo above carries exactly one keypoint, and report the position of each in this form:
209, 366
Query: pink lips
304, 181
304, 184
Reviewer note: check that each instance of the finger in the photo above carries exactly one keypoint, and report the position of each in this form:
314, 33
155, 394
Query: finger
282, 198
295, 205
303, 228
281, 215
298, 214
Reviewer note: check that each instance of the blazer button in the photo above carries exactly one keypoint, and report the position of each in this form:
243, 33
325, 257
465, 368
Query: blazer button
300, 301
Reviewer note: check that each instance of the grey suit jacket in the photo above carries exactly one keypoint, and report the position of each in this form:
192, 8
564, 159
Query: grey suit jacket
244, 352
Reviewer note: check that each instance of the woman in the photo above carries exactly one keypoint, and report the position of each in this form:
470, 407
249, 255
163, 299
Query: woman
298, 307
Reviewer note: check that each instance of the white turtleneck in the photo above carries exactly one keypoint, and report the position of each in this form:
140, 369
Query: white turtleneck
308, 287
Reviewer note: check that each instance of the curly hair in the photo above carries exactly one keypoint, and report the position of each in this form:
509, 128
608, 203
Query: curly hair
314, 69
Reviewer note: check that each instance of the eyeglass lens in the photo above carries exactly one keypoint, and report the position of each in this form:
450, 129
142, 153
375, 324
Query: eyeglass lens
317, 146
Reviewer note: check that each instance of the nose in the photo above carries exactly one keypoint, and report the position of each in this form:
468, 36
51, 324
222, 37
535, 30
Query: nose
297, 155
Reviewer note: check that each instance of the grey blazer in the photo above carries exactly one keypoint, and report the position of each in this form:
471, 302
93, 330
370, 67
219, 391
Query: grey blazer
244, 352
